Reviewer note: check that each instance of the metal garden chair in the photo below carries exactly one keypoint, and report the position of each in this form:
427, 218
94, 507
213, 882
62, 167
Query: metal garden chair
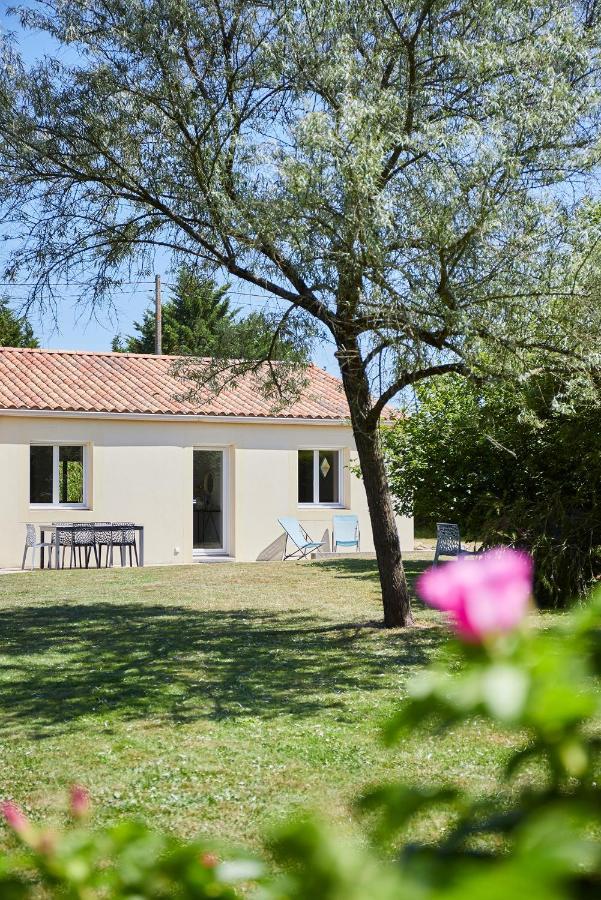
65, 540
84, 538
32, 543
124, 537
345, 532
103, 535
448, 541
299, 537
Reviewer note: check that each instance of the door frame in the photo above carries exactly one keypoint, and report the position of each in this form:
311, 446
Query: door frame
225, 503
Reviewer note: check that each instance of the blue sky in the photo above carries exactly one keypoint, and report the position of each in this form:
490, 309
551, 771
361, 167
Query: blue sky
77, 327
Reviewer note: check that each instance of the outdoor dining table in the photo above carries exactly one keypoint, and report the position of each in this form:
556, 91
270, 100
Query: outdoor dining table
57, 530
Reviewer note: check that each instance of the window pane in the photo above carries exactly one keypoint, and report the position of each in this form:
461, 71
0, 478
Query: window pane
70, 474
40, 474
328, 476
305, 476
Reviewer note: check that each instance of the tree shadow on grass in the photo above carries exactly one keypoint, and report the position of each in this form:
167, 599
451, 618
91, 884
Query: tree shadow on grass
346, 567
62, 662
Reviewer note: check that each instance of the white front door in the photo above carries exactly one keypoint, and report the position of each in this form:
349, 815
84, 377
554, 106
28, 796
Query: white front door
208, 502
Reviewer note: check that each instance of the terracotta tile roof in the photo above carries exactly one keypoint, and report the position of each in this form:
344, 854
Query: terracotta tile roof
81, 381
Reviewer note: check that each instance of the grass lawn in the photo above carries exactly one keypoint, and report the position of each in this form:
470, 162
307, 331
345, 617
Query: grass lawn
214, 699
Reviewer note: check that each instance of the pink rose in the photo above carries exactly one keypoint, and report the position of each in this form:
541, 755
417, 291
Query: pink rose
484, 594
15, 817
79, 801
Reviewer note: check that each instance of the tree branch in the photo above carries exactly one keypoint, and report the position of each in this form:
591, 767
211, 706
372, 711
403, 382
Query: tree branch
411, 378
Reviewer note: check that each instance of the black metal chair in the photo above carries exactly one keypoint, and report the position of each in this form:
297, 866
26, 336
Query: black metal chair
124, 537
117, 534
65, 540
84, 538
103, 535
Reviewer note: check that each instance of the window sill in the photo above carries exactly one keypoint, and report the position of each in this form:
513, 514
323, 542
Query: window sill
321, 506
58, 506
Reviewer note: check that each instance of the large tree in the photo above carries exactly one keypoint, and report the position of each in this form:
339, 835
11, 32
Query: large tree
404, 172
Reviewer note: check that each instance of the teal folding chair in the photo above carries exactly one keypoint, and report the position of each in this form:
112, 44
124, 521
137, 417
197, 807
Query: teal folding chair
345, 532
299, 537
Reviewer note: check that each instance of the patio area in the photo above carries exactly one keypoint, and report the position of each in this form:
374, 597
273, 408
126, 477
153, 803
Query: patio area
85, 542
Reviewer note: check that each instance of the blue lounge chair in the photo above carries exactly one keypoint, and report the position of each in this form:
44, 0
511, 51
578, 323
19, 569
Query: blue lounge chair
345, 532
299, 537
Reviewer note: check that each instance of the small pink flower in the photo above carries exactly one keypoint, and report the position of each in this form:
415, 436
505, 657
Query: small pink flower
15, 817
484, 594
79, 803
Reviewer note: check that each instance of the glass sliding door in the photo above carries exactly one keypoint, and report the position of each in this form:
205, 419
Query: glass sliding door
207, 501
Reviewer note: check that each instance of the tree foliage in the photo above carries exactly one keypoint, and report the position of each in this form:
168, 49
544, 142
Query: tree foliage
192, 319
15, 331
513, 463
410, 174
199, 320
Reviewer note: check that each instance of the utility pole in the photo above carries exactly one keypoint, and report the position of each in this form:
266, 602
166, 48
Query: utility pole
158, 340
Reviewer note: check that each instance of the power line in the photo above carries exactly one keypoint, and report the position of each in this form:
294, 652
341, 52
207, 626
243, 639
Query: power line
65, 283
121, 286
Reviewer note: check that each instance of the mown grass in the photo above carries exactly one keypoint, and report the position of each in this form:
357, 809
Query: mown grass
215, 699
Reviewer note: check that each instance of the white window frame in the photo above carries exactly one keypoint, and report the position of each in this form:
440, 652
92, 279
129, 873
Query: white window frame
55, 475
339, 504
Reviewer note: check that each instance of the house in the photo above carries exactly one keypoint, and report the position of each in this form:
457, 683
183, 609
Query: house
110, 437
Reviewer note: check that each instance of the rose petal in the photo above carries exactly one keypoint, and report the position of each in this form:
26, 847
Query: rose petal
484, 594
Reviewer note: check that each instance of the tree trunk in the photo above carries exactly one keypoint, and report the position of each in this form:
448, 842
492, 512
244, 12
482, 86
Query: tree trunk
395, 595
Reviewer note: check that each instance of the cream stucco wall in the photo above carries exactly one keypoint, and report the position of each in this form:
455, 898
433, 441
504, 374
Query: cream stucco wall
141, 471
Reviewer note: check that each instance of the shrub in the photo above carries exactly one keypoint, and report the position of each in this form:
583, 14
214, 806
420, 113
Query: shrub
516, 464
